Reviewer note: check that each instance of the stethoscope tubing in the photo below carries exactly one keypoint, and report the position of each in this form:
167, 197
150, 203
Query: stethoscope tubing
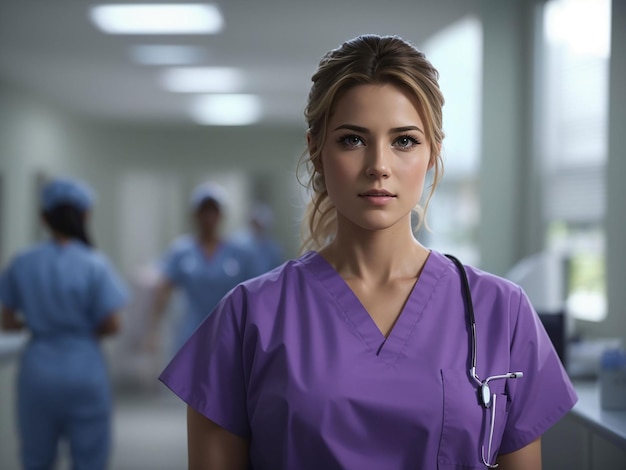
487, 399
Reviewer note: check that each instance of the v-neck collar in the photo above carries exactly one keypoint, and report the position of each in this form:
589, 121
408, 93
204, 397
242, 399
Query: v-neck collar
355, 313
208, 257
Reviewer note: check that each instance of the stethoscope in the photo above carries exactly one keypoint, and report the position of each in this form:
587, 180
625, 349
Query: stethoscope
486, 398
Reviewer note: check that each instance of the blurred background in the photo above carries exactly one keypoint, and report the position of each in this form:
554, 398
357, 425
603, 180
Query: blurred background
534, 163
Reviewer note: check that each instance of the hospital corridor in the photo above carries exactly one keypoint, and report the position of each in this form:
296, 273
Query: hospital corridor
295, 215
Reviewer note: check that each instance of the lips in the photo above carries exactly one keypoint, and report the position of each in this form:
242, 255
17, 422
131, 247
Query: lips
376, 193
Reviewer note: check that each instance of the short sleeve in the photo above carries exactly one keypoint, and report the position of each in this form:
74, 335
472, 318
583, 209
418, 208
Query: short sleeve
111, 293
545, 393
170, 263
207, 373
9, 291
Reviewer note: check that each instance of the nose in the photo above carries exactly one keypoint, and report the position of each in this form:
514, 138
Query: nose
378, 162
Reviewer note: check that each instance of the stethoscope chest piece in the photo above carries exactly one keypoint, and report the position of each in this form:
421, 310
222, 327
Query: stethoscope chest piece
485, 395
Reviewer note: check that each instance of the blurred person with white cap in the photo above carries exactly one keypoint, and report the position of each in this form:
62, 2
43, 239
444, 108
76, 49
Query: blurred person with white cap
258, 238
67, 295
204, 265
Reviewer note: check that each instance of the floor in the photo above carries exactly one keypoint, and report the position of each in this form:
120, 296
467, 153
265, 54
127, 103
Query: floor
150, 433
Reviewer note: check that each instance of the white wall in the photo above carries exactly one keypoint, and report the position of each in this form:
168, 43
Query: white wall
32, 140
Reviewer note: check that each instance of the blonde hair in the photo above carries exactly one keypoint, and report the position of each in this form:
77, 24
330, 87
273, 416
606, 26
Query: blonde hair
367, 59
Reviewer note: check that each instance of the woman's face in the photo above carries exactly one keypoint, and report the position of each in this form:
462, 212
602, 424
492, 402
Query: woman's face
375, 157
208, 217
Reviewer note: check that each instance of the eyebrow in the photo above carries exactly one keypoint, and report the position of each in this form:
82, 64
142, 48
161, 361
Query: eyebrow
364, 130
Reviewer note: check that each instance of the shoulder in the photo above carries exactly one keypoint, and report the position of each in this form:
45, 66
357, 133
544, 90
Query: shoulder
491, 294
181, 244
255, 307
86, 259
29, 254
290, 273
96, 257
481, 281
237, 247
270, 291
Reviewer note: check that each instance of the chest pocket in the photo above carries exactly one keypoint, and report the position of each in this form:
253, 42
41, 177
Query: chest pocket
466, 423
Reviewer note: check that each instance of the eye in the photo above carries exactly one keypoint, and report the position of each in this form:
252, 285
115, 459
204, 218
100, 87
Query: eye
406, 142
350, 140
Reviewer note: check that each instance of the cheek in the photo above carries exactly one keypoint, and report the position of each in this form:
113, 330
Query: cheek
337, 172
416, 175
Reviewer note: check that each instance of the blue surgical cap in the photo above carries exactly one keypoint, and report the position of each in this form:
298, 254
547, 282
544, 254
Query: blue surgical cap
208, 192
67, 191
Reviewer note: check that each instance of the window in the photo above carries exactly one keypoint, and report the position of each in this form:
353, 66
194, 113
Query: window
454, 213
573, 145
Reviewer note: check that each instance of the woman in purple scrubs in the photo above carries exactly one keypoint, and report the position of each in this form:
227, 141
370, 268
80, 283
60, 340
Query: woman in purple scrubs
359, 354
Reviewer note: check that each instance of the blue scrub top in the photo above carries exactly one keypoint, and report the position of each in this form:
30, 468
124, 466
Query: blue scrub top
204, 279
62, 289
64, 292
292, 361
266, 251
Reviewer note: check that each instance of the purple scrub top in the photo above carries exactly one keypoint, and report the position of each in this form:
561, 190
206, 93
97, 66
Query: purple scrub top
292, 361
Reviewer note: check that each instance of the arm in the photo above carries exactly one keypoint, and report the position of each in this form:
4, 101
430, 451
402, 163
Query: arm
526, 458
10, 320
162, 295
211, 447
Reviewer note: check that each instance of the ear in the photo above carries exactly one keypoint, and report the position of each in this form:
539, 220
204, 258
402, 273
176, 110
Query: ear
317, 163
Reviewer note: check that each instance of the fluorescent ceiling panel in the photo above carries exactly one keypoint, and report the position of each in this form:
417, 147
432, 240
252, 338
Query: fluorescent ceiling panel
166, 55
226, 110
158, 18
202, 80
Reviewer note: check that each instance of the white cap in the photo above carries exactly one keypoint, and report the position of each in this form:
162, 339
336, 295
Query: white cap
208, 191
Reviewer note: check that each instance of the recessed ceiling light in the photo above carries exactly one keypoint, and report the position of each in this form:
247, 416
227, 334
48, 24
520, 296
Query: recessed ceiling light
166, 55
202, 80
226, 110
158, 18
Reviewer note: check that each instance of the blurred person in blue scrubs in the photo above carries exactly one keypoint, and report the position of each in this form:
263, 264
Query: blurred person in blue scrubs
203, 265
68, 296
258, 238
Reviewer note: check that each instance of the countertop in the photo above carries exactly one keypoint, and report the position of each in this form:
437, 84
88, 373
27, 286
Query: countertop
611, 424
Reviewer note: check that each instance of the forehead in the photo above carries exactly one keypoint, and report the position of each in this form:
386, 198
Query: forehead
208, 205
376, 104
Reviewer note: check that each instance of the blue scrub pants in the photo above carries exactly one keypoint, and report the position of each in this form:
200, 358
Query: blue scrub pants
63, 400
89, 440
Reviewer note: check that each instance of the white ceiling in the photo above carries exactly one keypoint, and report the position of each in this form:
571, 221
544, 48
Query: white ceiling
51, 49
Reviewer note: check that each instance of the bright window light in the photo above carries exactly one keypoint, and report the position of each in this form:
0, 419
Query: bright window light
166, 55
202, 80
226, 110
582, 25
157, 18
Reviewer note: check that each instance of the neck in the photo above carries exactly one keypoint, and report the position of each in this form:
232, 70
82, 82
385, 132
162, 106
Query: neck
378, 256
60, 239
208, 240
